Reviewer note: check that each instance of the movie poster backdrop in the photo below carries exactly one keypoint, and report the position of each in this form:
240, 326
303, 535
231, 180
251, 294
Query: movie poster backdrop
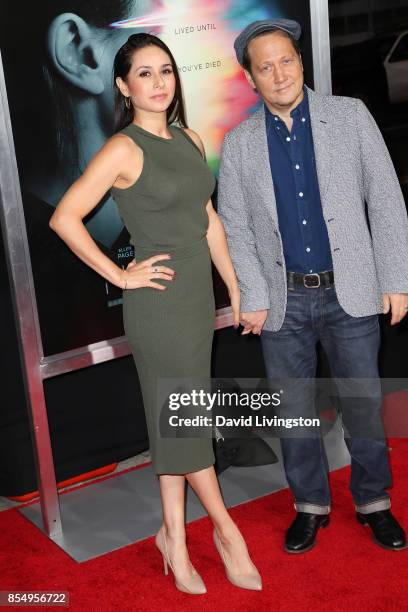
58, 58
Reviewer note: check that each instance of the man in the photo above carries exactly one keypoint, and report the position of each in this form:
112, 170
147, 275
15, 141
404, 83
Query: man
296, 180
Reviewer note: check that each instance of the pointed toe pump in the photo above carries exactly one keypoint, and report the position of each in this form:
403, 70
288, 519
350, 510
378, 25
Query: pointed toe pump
251, 580
193, 585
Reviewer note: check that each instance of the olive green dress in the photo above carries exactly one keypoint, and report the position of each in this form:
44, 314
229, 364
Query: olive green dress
170, 332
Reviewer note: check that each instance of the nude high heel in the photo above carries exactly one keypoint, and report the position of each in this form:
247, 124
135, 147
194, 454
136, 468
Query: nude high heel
194, 585
250, 580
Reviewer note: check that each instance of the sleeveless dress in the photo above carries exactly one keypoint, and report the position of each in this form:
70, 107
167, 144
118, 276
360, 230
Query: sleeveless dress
170, 332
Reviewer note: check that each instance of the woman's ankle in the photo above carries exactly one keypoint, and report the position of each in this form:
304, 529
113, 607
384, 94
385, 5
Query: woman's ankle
174, 532
228, 531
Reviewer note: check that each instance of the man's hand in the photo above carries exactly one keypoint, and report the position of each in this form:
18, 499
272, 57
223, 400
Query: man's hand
253, 321
398, 304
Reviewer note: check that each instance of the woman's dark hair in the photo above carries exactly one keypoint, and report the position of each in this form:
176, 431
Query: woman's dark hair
121, 67
246, 60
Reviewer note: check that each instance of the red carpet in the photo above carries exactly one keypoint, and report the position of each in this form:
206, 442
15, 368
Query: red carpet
346, 571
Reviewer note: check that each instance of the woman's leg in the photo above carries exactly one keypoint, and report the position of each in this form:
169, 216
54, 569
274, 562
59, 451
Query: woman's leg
172, 491
205, 484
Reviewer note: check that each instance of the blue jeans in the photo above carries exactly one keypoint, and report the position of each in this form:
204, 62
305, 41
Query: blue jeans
351, 345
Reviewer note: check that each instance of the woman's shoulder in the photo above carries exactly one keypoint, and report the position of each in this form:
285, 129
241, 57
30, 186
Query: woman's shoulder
121, 143
117, 152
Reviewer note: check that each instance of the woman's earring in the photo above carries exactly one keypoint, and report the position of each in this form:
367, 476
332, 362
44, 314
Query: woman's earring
127, 102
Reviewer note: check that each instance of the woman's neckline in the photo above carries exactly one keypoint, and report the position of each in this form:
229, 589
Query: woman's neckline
151, 133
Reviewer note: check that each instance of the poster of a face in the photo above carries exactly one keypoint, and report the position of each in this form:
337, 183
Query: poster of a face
58, 61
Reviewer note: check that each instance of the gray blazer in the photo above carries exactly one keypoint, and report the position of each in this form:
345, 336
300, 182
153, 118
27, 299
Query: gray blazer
353, 167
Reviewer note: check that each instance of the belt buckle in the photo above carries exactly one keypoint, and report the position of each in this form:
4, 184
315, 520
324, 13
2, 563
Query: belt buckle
311, 286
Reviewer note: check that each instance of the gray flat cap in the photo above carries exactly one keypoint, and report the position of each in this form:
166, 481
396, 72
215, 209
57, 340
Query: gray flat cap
257, 27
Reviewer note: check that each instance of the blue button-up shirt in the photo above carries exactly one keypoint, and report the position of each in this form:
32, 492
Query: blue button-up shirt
302, 226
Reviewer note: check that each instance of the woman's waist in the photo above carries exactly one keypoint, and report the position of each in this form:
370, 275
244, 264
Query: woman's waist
175, 251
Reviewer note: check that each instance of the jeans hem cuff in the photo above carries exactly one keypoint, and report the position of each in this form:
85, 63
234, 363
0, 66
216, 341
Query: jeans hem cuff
375, 506
311, 508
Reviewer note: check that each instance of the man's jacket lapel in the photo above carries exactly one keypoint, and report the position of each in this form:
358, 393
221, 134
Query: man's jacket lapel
259, 164
322, 139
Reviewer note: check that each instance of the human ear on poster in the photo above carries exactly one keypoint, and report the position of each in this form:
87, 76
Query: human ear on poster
74, 50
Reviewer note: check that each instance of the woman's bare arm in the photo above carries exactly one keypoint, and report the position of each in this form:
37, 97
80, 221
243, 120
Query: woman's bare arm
218, 246
82, 197
217, 243
119, 163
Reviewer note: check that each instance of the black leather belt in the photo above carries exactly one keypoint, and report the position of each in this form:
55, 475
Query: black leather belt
311, 281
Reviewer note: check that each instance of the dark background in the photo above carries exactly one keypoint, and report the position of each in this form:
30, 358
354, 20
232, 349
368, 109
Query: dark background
362, 35
95, 414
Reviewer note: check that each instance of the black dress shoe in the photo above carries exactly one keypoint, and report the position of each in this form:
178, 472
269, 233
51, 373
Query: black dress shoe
301, 535
387, 531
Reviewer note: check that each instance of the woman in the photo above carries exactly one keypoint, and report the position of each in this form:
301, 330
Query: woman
72, 48
162, 187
